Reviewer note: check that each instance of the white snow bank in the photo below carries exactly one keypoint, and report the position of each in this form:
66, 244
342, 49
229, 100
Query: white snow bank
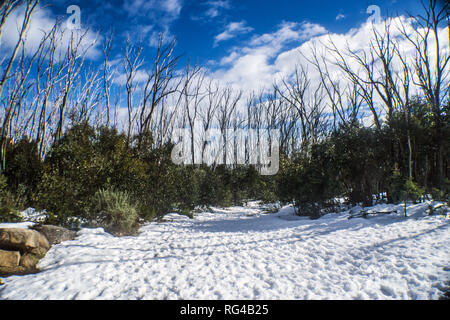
238, 253
175, 216
29, 216
20, 225
33, 215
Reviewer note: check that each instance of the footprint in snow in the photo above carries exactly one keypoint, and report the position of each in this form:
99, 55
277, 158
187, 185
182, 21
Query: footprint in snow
387, 291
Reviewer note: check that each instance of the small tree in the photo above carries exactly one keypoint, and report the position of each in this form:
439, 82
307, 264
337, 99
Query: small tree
8, 213
114, 211
403, 189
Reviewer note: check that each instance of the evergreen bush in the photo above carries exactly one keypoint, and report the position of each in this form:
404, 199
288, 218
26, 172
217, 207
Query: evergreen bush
114, 211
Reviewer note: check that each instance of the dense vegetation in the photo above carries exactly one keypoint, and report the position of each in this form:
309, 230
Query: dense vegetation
91, 172
62, 149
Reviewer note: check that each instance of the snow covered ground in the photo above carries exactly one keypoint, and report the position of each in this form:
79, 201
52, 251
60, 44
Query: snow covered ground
240, 253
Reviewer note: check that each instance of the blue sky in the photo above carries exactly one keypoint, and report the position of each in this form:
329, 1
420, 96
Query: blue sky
248, 44
209, 30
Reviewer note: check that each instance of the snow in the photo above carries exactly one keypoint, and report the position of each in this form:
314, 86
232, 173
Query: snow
33, 215
242, 253
19, 225
30, 217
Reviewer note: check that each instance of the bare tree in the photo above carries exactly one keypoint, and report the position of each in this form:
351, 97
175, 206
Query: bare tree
131, 64
19, 88
228, 102
432, 78
163, 124
107, 74
160, 82
208, 112
51, 68
345, 101
87, 98
192, 98
6, 10
362, 78
307, 101
75, 57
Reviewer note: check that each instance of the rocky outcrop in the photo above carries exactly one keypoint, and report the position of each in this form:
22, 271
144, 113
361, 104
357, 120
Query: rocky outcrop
55, 234
21, 249
23, 240
9, 258
16, 271
29, 261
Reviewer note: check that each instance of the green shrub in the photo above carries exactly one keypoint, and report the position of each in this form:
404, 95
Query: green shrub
306, 183
8, 214
8, 211
403, 189
62, 198
186, 212
311, 210
23, 170
441, 194
412, 191
113, 211
146, 212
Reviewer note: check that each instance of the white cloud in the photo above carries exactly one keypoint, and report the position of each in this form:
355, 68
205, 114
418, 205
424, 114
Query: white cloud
250, 68
215, 7
289, 31
266, 59
140, 77
232, 30
340, 16
153, 7
229, 59
160, 15
41, 23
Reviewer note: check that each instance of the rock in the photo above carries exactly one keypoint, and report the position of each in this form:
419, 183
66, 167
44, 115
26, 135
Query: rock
9, 258
19, 270
23, 240
56, 234
29, 261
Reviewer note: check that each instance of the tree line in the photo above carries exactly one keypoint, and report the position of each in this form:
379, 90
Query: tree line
89, 141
